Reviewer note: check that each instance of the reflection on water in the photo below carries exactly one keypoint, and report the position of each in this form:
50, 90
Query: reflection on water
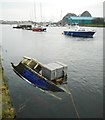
84, 58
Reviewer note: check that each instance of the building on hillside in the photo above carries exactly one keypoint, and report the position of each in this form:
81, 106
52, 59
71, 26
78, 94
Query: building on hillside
79, 20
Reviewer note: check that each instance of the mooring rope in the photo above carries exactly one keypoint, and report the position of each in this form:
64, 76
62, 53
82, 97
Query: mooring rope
73, 102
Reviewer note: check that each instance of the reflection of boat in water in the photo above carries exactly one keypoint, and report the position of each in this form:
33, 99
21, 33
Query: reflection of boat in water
47, 77
80, 32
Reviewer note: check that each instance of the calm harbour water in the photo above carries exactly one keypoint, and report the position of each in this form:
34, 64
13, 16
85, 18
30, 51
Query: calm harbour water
84, 57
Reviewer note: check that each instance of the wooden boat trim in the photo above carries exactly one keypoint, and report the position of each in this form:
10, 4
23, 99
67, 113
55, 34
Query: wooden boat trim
40, 75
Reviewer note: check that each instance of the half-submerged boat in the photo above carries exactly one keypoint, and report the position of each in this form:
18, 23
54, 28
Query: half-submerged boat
47, 77
80, 32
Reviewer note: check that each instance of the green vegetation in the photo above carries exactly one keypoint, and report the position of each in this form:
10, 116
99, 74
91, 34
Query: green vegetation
97, 22
94, 25
7, 108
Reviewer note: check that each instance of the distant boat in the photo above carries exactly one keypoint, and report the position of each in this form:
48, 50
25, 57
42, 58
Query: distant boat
47, 77
38, 29
80, 32
27, 27
18, 26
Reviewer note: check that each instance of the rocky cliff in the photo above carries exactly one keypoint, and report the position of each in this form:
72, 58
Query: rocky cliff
86, 14
64, 20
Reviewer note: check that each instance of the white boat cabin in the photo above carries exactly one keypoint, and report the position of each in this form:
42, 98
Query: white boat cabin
51, 71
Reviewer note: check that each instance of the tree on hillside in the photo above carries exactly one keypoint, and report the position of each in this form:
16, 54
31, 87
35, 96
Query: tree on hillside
98, 21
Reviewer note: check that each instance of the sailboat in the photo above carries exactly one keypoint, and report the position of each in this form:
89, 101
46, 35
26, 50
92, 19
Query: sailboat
39, 28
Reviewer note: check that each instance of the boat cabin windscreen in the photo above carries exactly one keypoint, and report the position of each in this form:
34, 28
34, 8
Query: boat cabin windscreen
25, 61
32, 64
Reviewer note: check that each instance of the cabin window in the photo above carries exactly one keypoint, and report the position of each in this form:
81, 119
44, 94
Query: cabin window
38, 68
32, 64
25, 61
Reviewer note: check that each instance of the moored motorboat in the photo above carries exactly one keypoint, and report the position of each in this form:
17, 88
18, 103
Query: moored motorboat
80, 32
38, 29
47, 77
27, 27
18, 26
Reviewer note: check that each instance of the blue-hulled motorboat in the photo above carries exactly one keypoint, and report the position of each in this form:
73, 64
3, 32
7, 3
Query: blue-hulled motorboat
47, 77
80, 32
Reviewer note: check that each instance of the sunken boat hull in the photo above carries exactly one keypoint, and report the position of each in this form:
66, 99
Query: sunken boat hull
33, 76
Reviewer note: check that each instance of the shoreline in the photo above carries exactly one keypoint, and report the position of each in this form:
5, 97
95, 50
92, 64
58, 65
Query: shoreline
94, 25
8, 110
30, 23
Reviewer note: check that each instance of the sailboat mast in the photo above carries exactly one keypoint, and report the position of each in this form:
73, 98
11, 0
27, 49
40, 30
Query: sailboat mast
61, 15
41, 11
35, 12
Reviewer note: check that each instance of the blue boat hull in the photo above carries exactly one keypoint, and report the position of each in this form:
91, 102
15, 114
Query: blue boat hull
36, 79
79, 34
